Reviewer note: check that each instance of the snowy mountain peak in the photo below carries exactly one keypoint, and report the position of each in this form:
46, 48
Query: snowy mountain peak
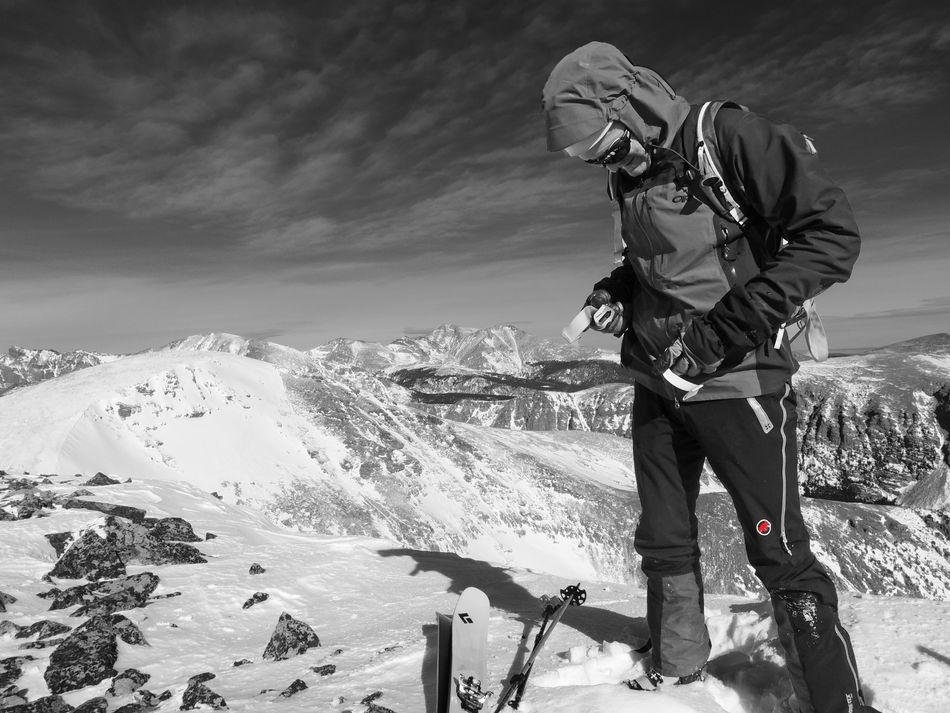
21, 366
212, 342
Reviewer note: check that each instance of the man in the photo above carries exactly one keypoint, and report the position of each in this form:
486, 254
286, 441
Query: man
705, 288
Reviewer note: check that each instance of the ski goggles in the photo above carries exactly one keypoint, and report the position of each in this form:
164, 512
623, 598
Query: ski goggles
615, 153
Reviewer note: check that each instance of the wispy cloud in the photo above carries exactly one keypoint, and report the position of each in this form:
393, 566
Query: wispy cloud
342, 143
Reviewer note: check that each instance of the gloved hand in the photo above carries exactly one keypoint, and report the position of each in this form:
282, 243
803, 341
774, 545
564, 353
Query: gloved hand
697, 350
611, 319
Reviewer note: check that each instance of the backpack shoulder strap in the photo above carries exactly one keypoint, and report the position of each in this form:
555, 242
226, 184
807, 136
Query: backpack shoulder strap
709, 162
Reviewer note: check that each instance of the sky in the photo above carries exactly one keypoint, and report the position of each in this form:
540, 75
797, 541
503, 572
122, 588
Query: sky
367, 169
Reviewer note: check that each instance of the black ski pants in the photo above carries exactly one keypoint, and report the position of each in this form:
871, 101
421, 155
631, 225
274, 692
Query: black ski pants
751, 445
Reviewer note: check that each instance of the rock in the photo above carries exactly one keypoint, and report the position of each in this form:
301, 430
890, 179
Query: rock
6, 599
290, 638
167, 595
94, 705
375, 696
201, 677
48, 704
126, 511
174, 528
60, 541
165, 695
131, 708
94, 555
6, 515
81, 493
42, 630
199, 694
325, 670
11, 668
121, 593
42, 644
148, 699
256, 569
217, 495
88, 654
12, 696
293, 688
103, 550
129, 680
101, 479
210, 536
8, 627
255, 598
242, 662
34, 503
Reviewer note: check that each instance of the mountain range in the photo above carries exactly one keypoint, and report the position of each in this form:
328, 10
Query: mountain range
488, 443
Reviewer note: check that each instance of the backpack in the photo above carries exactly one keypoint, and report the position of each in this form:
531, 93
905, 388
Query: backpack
716, 194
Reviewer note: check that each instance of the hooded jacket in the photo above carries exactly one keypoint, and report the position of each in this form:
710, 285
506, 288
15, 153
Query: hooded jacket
683, 261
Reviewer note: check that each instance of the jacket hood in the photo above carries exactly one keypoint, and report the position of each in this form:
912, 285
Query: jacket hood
595, 84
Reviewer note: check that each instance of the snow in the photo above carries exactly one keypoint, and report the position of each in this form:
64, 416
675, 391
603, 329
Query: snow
375, 602
229, 424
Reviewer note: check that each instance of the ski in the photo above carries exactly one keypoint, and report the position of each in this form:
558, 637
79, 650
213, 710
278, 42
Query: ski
463, 660
444, 666
554, 608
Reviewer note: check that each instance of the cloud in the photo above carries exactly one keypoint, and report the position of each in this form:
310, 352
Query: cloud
935, 306
823, 64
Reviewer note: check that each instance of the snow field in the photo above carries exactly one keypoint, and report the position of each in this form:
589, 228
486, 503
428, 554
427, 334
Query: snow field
373, 605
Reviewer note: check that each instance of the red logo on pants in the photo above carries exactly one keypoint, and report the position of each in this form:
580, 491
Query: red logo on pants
763, 527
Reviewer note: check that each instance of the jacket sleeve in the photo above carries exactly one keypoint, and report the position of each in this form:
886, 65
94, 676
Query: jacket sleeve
781, 181
621, 283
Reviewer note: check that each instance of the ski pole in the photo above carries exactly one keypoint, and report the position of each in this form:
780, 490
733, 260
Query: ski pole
570, 596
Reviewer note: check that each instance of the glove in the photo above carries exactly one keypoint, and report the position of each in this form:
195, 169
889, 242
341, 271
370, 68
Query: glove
697, 350
611, 319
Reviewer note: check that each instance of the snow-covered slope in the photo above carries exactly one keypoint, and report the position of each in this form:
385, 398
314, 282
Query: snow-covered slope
326, 452
372, 604
340, 450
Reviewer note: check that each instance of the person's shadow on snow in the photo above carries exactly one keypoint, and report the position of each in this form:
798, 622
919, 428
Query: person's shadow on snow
507, 595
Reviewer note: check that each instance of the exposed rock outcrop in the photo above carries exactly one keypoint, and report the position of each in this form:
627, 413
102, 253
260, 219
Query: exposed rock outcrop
290, 638
104, 597
42, 630
104, 549
94, 705
126, 682
127, 511
295, 687
172, 529
6, 599
100, 479
255, 598
197, 693
11, 668
89, 653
